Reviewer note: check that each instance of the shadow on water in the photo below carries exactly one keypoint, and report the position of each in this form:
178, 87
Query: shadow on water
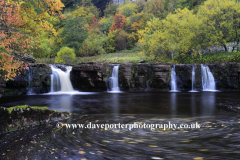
168, 104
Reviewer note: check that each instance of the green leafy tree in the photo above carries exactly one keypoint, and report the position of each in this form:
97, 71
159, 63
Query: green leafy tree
156, 8
95, 44
111, 9
45, 49
128, 8
74, 33
221, 19
105, 24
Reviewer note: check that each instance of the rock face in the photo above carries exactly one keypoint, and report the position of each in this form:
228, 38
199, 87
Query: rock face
227, 75
40, 81
161, 76
91, 76
140, 77
21, 117
2, 85
28, 59
184, 76
40, 78
132, 77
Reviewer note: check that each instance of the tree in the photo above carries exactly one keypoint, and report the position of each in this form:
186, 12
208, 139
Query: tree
221, 19
20, 23
86, 11
128, 8
111, 9
101, 4
118, 23
95, 44
74, 33
156, 8
122, 41
105, 24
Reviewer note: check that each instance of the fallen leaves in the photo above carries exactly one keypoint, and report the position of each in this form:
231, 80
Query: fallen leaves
81, 152
153, 146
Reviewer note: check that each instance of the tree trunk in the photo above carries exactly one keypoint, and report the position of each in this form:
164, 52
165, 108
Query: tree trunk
225, 47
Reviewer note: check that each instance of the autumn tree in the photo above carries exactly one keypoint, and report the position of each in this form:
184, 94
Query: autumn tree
111, 9
21, 22
128, 8
118, 23
12, 42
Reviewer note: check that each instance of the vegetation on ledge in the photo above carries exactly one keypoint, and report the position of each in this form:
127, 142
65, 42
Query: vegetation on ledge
135, 57
17, 117
26, 106
119, 57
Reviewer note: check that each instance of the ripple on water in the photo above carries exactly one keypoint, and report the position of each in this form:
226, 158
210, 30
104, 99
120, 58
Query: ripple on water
217, 138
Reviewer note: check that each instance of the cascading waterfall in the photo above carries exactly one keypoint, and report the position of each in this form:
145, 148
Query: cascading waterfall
208, 82
29, 81
193, 80
173, 80
114, 79
149, 79
60, 80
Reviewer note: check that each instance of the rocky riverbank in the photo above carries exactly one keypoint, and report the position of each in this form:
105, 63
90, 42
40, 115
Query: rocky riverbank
22, 116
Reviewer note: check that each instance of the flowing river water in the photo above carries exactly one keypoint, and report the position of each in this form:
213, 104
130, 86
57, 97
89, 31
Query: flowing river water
218, 137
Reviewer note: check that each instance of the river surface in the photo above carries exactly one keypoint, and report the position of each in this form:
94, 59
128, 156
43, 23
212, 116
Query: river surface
217, 138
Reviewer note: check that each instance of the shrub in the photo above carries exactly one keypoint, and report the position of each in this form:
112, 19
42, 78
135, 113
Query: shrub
95, 44
122, 41
65, 55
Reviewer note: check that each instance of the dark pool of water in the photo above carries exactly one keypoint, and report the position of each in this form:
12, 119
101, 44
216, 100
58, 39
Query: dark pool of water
166, 104
218, 138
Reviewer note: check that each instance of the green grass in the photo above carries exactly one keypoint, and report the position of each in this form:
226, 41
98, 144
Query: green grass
135, 56
222, 57
45, 60
120, 57
24, 107
115, 58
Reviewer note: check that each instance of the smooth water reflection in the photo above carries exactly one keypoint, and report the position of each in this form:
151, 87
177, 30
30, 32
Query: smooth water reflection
163, 103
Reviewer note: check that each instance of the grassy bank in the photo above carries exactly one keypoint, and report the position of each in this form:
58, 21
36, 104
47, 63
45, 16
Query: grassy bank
135, 57
217, 57
120, 57
24, 107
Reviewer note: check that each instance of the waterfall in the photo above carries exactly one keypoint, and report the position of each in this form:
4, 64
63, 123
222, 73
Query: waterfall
208, 82
29, 81
173, 80
114, 79
60, 80
149, 79
193, 80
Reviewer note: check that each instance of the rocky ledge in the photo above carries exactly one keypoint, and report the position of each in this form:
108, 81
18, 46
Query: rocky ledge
21, 117
92, 77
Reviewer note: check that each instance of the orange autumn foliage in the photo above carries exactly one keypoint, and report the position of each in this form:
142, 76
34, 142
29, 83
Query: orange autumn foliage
16, 19
119, 22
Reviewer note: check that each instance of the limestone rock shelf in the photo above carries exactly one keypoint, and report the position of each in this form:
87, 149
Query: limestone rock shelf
132, 77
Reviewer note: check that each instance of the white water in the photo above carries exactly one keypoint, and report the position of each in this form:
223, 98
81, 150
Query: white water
29, 81
114, 79
208, 82
193, 80
173, 80
60, 80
